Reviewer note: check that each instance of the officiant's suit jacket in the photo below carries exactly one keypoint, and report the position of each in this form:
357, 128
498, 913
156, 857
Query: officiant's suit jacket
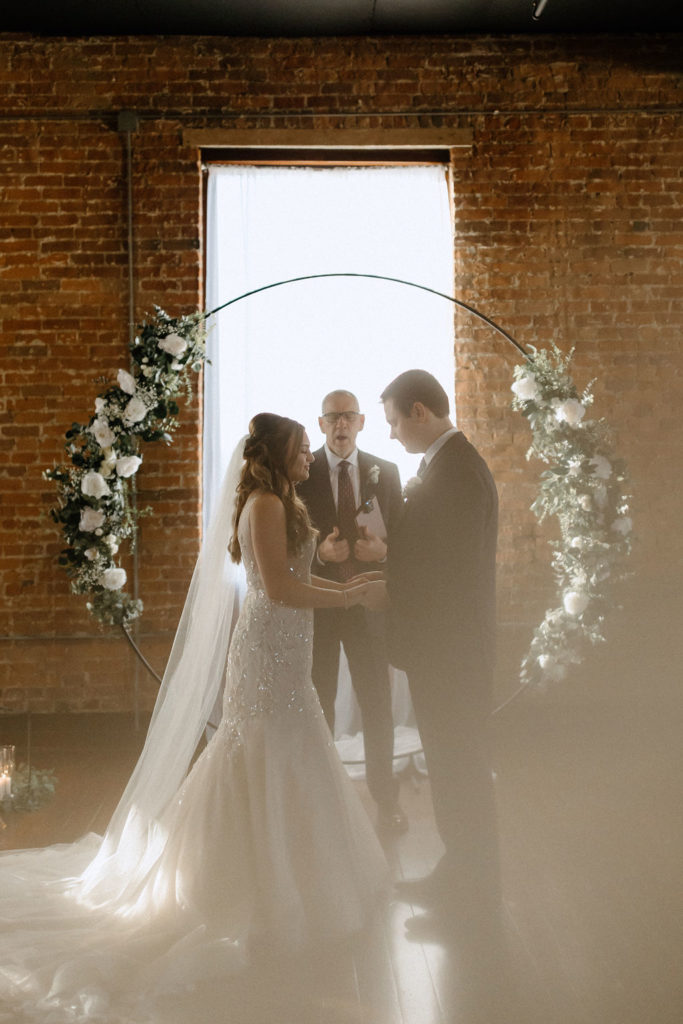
441, 566
317, 494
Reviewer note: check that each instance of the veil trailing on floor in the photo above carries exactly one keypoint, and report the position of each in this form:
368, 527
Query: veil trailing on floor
191, 682
74, 931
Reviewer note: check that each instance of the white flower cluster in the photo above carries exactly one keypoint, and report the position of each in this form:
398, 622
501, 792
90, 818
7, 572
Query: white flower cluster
584, 489
95, 513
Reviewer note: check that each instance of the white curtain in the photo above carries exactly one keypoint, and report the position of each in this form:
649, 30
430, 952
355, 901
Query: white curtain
284, 348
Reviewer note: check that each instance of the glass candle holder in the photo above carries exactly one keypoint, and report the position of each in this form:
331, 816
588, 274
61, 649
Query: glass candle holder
6, 772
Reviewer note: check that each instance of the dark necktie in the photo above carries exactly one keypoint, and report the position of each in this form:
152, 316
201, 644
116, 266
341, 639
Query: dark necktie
346, 516
421, 468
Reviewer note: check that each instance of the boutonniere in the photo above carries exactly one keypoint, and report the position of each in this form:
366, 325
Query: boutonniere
370, 489
411, 485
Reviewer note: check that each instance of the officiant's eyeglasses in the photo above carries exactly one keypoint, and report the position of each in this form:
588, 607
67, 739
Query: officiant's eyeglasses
334, 417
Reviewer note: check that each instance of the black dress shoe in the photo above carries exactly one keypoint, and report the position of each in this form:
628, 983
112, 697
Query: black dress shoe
392, 819
431, 927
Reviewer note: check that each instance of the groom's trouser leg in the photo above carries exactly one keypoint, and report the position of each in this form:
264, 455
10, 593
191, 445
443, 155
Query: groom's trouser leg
452, 717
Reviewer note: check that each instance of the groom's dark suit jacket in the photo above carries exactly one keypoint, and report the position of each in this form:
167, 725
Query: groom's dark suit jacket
317, 494
441, 584
441, 566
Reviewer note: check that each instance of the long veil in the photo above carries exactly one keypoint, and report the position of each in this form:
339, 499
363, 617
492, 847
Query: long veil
191, 682
72, 936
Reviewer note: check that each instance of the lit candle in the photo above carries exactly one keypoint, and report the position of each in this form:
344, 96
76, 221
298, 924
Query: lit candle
5, 787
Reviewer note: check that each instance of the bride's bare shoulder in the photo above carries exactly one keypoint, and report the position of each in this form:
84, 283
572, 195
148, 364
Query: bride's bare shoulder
265, 499
265, 504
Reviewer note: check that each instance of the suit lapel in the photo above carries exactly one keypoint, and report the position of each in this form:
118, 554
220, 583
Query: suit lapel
320, 471
363, 470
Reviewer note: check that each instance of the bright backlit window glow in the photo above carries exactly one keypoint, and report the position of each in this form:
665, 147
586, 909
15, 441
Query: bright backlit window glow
282, 350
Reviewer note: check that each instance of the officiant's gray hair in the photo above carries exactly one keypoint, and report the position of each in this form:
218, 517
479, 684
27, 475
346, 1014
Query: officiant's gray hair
339, 393
417, 386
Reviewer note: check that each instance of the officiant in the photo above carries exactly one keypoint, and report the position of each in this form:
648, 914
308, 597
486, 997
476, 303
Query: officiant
354, 500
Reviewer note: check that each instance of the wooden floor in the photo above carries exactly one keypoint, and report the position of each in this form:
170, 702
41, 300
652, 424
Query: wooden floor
592, 835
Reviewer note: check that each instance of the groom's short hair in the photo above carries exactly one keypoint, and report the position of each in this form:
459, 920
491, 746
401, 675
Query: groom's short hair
417, 386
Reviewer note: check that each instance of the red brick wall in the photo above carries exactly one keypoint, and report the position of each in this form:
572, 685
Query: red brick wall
568, 208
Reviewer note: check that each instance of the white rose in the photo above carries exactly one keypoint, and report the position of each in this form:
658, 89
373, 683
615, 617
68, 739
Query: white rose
552, 668
102, 433
578, 542
176, 366
127, 465
574, 468
126, 382
108, 462
600, 494
411, 485
570, 411
601, 467
113, 579
90, 554
94, 485
586, 502
575, 602
100, 405
526, 389
135, 411
91, 520
173, 344
373, 475
112, 543
623, 525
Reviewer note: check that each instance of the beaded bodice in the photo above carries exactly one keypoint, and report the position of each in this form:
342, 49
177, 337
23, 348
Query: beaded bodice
269, 664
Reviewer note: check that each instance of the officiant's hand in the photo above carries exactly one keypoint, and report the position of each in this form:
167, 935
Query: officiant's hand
332, 549
375, 596
369, 547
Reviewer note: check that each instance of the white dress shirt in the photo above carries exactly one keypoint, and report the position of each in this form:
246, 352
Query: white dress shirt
439, 443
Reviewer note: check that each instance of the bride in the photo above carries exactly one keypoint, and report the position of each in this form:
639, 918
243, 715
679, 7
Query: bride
264, 845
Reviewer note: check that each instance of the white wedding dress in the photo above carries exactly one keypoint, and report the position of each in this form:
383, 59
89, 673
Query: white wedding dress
264, 846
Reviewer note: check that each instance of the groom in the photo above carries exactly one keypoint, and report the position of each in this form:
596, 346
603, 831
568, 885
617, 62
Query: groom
441, 588
341, 481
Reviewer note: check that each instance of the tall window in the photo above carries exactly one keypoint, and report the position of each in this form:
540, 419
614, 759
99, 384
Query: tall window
283, 349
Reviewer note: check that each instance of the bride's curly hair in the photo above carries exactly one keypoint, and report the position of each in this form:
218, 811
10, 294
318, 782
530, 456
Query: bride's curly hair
272, 443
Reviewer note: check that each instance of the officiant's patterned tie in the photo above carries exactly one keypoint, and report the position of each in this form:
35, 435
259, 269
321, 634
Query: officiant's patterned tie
346, 514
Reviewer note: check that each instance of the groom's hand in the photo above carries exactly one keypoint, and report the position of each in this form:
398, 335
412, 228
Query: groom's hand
369, 547
367, 577
375, 597
332, 549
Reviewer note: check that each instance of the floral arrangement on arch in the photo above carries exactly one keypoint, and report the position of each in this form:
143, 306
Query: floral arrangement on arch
95, 511
585, 489
584, 486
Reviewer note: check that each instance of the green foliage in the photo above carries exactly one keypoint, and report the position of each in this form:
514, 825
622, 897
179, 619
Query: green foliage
584, 488
32, 790
95, 512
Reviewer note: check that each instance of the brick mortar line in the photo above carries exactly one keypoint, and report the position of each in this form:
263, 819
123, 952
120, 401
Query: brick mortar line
95, 115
